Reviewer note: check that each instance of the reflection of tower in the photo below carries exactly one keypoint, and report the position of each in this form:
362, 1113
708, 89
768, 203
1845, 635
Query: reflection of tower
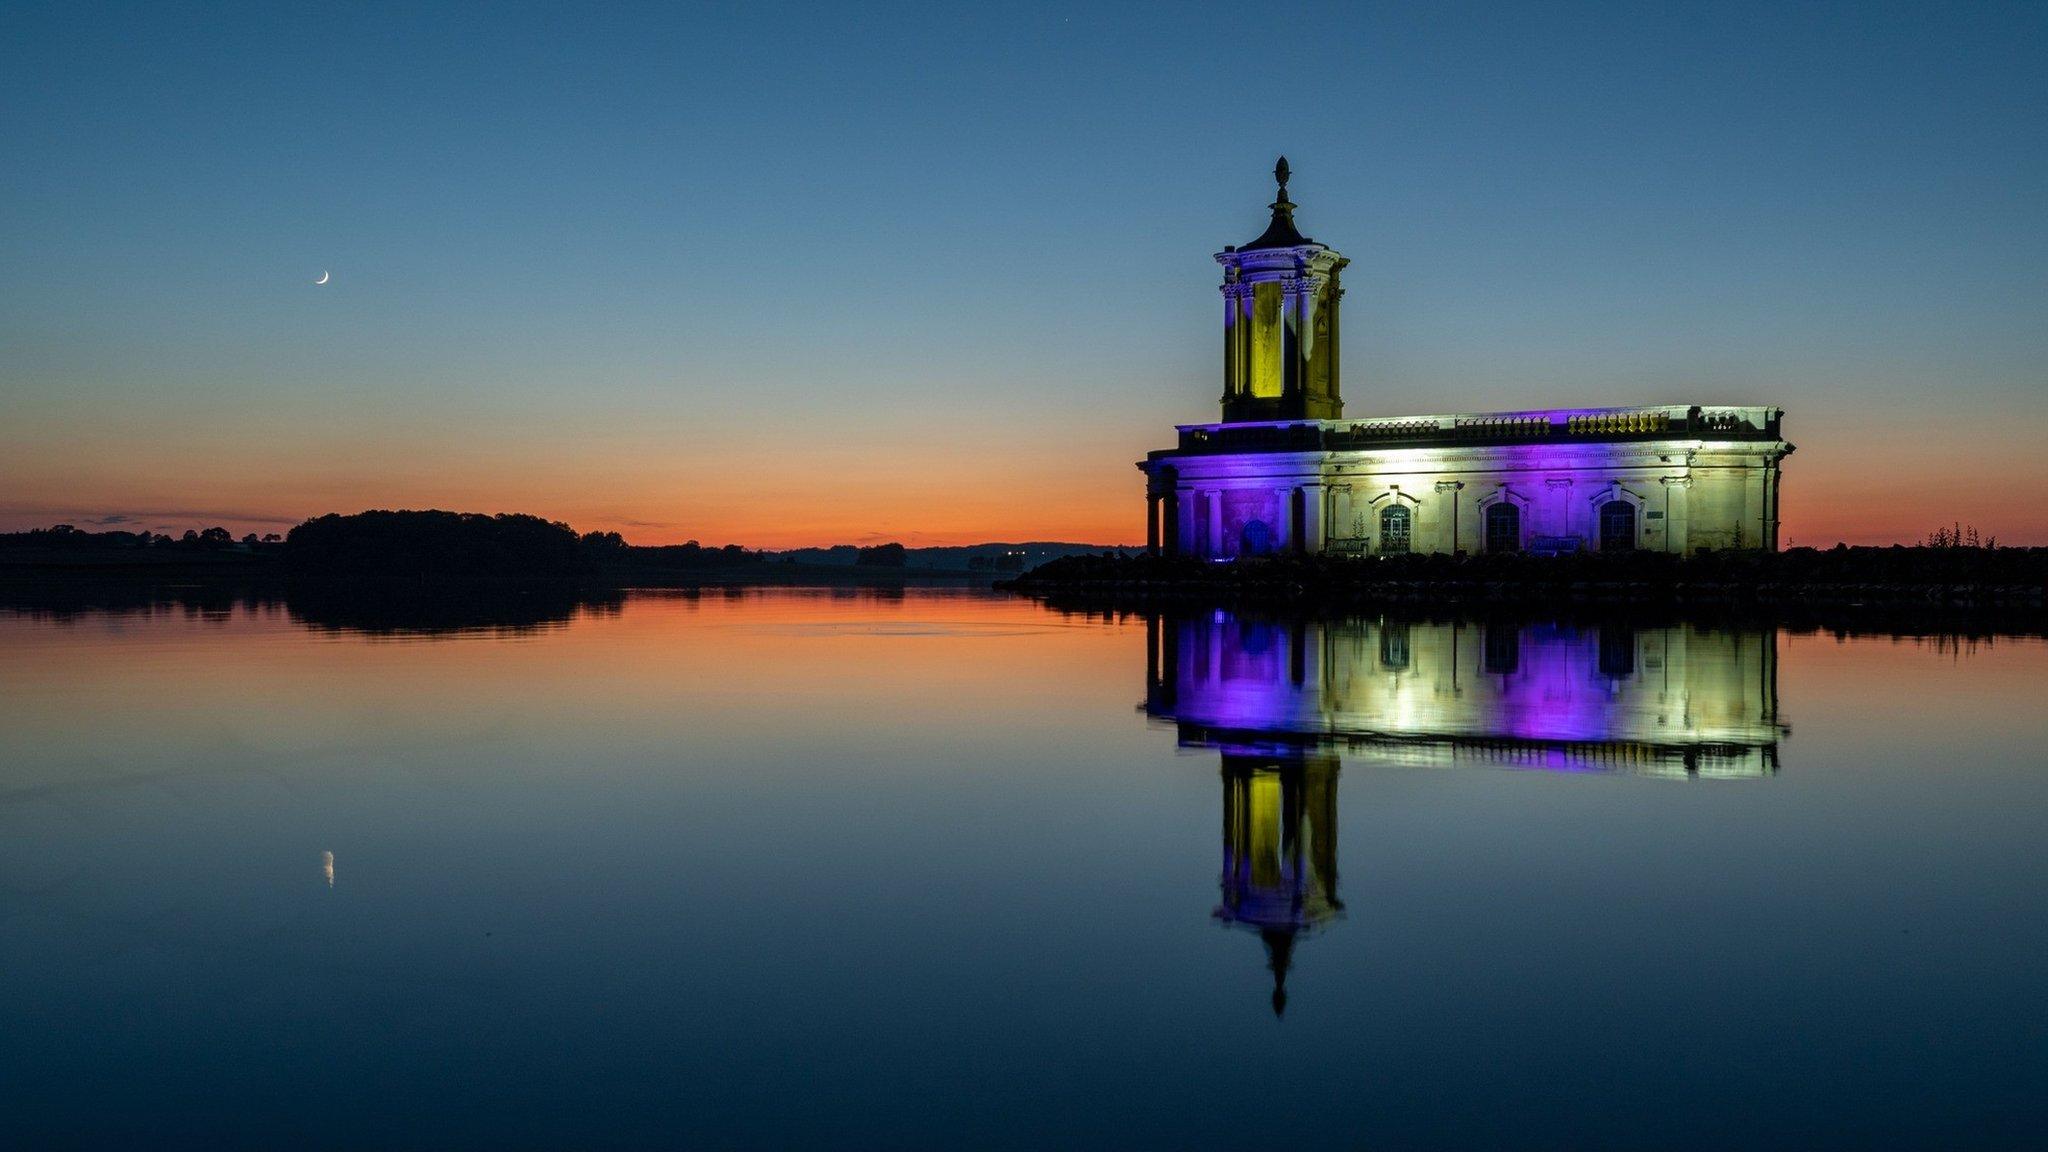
1279, 850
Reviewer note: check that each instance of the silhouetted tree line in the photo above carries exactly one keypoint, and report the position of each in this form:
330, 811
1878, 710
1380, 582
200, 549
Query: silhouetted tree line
434, 543
883, 556
1959, 535
609, 549
385, 543
473, 544
71, 538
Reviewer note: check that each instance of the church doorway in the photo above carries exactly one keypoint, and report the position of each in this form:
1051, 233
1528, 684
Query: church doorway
1503, 528
1255, 539
1617, 526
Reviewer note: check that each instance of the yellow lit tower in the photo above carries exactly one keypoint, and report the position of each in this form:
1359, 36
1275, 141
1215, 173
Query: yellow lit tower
1280, 334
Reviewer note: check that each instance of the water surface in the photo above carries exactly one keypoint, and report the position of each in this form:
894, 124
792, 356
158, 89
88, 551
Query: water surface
786, 868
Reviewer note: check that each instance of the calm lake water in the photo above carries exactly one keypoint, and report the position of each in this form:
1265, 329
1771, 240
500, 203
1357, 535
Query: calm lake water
797, 869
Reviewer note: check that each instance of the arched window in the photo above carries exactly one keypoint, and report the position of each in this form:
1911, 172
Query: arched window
1617, 526
1394, 528
1503, 528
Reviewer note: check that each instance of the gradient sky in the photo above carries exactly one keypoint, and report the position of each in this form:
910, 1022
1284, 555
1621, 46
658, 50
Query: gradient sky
790, 275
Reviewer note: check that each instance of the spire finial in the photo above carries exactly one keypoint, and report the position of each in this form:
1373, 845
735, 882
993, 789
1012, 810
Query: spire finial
1279, 954
1281, 233
1283, 208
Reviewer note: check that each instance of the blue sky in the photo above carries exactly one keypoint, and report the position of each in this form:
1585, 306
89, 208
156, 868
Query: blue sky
794, 274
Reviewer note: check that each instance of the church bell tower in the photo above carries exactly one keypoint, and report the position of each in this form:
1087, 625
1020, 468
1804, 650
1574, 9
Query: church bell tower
1280, 295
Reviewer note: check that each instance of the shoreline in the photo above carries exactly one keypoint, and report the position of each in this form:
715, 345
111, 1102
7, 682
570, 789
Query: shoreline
2005, 585
1897, 590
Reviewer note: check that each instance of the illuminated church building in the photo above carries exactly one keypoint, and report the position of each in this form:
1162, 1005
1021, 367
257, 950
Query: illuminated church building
1284, 472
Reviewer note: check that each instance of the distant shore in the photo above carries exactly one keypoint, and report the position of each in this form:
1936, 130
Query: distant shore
439, 545
438, 558
2001, 582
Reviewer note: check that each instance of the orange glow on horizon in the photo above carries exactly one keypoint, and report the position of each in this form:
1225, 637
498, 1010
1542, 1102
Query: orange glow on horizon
943, 487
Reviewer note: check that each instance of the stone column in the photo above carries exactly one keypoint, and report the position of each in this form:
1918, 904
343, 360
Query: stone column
1677, 513
1183, 534
1751, 510
1283, 532
1230, 338
1560, 488
1313, 499
1216, 548
1303, 291
1152, 512
1450, 489
1771, 481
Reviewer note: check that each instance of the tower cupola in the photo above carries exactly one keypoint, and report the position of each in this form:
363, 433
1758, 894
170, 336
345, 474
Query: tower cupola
1280, 334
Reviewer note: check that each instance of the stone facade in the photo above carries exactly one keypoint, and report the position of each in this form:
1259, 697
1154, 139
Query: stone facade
1284, 473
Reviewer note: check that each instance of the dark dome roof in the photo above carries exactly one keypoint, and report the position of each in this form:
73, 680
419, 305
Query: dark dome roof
1281, 233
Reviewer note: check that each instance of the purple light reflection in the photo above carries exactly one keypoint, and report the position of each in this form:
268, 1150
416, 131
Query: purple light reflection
1557, 697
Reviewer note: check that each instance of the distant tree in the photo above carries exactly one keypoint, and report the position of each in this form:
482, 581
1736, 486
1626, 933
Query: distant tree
689, 554
435, 542
884, 556
1958, 535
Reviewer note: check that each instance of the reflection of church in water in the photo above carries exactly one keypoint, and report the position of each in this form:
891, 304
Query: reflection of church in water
1281, 702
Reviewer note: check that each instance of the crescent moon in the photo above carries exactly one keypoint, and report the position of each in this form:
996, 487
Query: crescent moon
323, 277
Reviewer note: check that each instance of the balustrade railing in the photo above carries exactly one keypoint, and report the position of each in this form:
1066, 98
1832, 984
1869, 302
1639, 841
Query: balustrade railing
1506, 427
